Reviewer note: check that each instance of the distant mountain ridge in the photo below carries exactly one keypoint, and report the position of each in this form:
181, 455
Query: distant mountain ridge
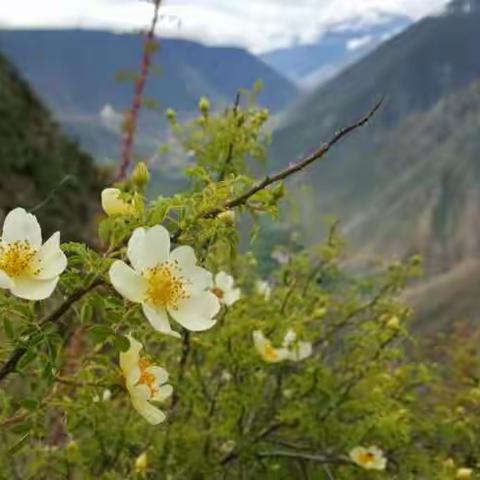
409, 181
74, 71
39, 167
314, 63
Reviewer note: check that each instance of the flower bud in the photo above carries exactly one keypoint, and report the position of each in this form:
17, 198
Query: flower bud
141, 175
141, 463
228, 217
393, 323
171, 115
204, 105
112, 204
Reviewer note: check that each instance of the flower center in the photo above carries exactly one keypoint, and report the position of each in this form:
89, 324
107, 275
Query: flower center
218, 292
16, 257
165, 286
270, 353
147, 378
366, 458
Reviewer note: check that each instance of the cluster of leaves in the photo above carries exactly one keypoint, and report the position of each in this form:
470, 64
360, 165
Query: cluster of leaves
65, 412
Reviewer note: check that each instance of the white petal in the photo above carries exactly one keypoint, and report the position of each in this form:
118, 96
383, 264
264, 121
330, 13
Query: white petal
158, 318
50, 259
127, 282
22, 226
160, 374
112, 204
152, 414
30, 288
5, 280
259, 340
197, 280
300, 351
231, 296
196, 313
129, 359
148, 247
223, 281
185, 256
162, 393
290, 337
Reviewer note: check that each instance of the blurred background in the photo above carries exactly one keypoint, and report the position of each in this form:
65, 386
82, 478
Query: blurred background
408, 183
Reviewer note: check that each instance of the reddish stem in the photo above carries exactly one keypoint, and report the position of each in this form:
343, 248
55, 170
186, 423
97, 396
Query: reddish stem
131, 116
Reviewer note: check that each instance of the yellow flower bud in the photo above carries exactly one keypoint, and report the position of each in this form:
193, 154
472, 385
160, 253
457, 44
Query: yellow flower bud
393, 323
72, 446
171, 115
141, 175
204, 105
141, 463
463, 473
112, 204
228, 217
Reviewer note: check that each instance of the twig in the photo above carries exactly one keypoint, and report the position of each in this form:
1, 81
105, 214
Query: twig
231, 145
10, 365
287, 172
131, 117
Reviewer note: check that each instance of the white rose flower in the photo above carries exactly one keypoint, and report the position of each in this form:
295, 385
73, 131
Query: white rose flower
371, 458
291, 349
29, 269
223, 288
113, 204
165, 283
145, 382
263, 288
267, 351
297, 351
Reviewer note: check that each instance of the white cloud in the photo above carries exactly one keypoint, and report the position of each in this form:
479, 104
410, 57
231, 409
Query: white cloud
259, 25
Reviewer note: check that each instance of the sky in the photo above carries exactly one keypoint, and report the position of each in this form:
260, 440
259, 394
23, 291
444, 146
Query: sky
259, 25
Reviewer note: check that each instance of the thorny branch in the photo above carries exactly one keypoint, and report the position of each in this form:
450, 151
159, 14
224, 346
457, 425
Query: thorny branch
288, 171
131, 116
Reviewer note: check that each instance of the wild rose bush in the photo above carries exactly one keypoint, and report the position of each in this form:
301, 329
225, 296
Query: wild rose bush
165, 354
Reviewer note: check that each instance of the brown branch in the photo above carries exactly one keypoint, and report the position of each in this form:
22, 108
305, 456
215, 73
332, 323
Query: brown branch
231, 145
131, 116
287, 172
11, 364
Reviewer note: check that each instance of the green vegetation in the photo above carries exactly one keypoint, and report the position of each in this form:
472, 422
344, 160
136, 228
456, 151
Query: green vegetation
238, 409
40, 167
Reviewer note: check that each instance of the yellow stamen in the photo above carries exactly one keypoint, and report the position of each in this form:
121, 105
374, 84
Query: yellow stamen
269, 353
147, 378
16, 258
366, 458
165, 285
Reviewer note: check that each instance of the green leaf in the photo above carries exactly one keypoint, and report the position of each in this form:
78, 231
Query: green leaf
122, 343
7, 325
17, 446
22, 428
100, 332
28, 358
29, 404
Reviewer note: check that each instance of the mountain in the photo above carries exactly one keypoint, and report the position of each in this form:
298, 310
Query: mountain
75, 72
408, 182
39, 167
311, 64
